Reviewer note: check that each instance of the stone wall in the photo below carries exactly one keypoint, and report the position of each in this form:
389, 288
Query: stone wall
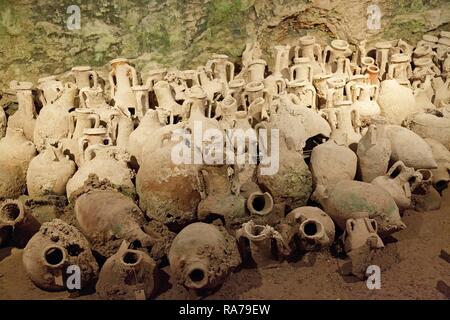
35, 40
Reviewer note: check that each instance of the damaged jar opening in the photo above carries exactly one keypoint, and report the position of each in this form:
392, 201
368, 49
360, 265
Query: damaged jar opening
10, 212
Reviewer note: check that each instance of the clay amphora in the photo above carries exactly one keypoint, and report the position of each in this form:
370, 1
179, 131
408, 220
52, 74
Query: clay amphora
79, 120
321, 85
283, 116
128, 275
251, 52
202, 256
313, 123
221, 67
383, 54
292, 183
122, 126
310, 49
373, 73
442, 92
331, 163
396, 101
166, 99
16, 152
342, 68
12, 214
142, 100
259, 203
410, 148
52, 124
154, 76
256, 70
335, 92
253, 90
400, 69
432, 125
25, 116
49, 172
105, 216
219, 199
169, 192
189, 78
226, 112
366, 62
3, 122
352, 81
235, 89
441, 155
354, 199
149, 124
301, 70
85, 77
313, 226
374, 152
121, 78
256, 241
305, 92
107, 163
365, 99
360, 232
345, 123
424, 196
337, 49
282, 61
49, 89
94, 100
211, 86
396, 182
50, 252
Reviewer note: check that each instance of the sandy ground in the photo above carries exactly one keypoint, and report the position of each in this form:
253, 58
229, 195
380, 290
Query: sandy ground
411, 269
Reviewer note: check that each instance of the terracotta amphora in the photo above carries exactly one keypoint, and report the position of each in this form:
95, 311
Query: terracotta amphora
202, 256
441, 155
121, 78
107, 217
257, 242
354, 199
128, 275
49, 172
16, 152
410, 148
313, 227
331, 163
85, 77
396, 182
50, 255
374, 151
12, 215
310, 49
52, 124
49, 89
25, 117
104, 161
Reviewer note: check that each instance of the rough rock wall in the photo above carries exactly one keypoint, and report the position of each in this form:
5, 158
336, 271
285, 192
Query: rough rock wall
35, 40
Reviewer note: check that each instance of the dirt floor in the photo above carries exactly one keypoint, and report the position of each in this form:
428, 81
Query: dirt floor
411, 269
